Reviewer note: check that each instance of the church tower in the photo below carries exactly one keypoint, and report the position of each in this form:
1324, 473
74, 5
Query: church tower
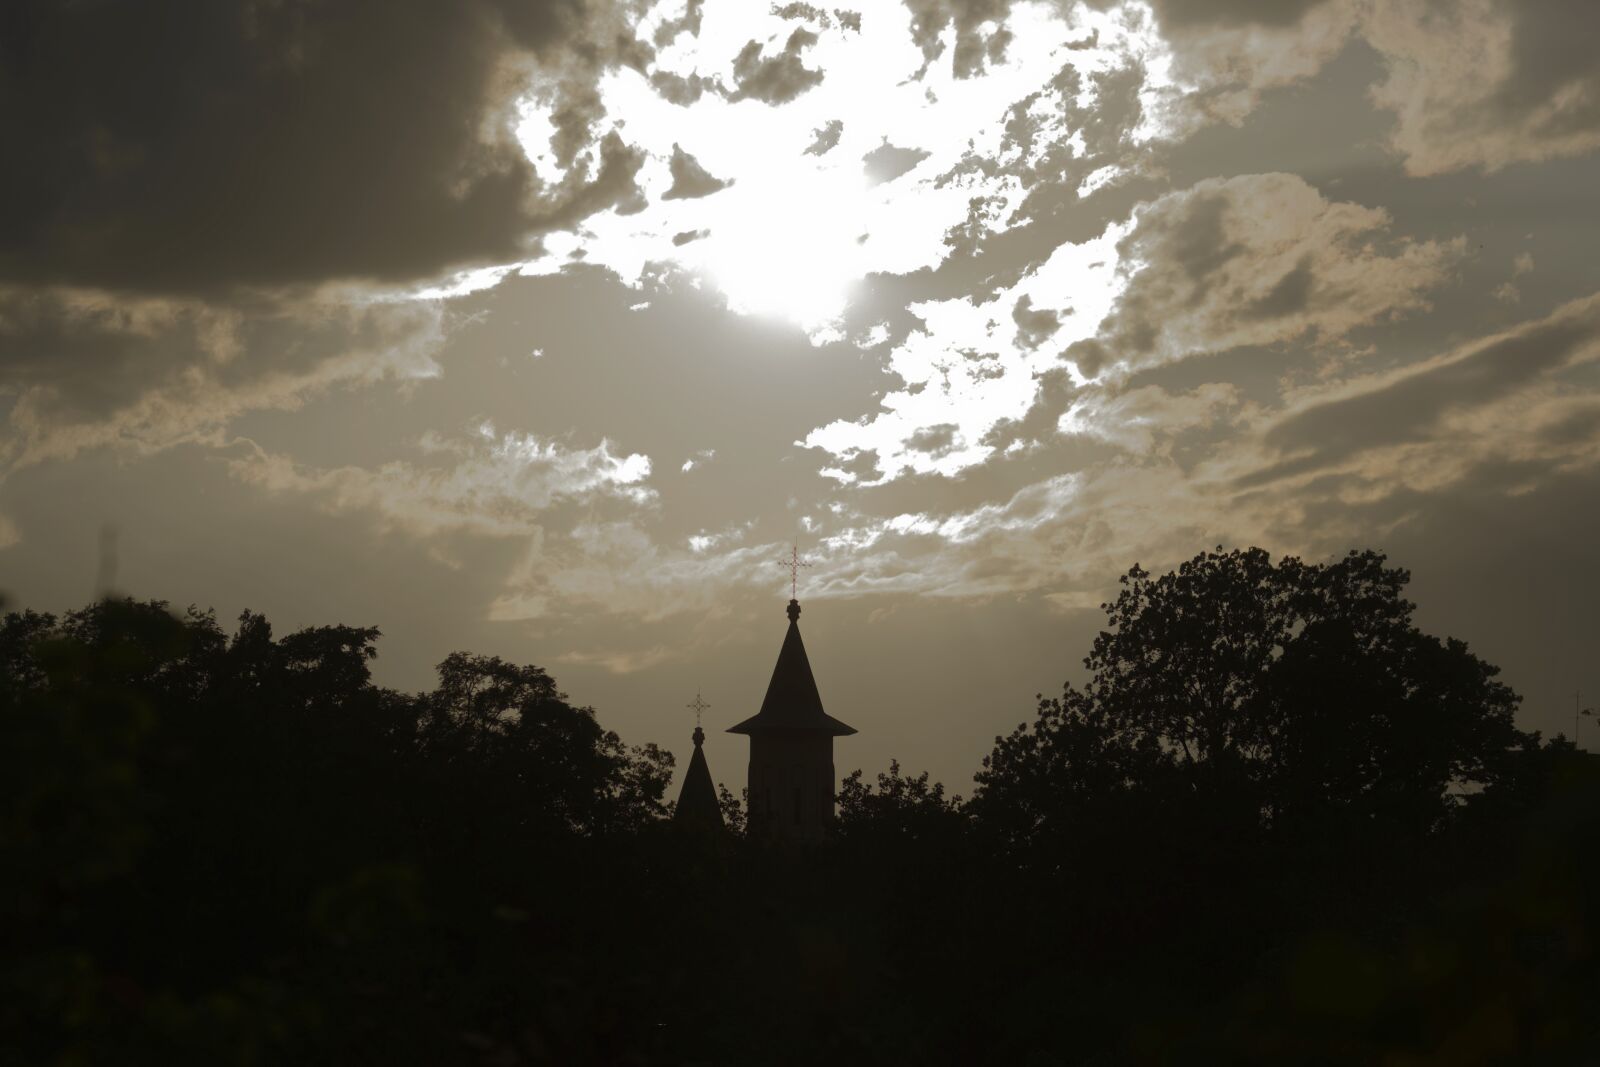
791, 749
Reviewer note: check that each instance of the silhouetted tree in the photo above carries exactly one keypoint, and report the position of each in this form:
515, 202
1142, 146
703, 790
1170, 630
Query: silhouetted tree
732, 809
1277, 693
1074, 772
509, 724
1273, 798
903, 809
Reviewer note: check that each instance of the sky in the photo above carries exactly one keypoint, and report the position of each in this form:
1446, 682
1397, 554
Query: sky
547, 329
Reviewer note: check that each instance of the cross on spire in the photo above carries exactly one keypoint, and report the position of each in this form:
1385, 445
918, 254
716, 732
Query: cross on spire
699, 706
794, 563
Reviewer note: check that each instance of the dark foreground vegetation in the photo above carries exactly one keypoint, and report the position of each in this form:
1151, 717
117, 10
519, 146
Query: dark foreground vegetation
1278, 825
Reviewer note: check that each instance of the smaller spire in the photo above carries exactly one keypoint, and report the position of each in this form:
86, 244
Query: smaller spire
698, 808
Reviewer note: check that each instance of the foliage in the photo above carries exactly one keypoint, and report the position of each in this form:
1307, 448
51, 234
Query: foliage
733, 808
912, 810
193, 819
1281, 694
1278, 824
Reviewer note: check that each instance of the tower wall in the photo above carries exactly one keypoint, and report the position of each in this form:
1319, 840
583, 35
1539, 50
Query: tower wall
791, 784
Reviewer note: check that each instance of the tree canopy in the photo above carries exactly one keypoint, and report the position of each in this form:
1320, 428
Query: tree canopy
1287, 694
1277, 823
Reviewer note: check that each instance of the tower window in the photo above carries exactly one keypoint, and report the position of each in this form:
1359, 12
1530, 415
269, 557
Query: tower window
797, 805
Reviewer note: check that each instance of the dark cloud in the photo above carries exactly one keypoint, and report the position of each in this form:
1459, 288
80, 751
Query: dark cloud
1055, 395
938, 440
1577, 427
689, 22
1256, 259
614, 186
862, 465
1552, 52
1034, 325
689, 179
1176, 14
798, 12
974, 48
683, 238
84, 368
175, 147
827, 138
1290, 296
1409, 406
577, 109
1532, 93
680, 89
775, 79
887, 162
1090, 356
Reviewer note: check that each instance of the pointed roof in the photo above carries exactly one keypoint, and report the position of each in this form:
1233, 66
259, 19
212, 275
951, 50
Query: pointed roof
792, 701
697, 801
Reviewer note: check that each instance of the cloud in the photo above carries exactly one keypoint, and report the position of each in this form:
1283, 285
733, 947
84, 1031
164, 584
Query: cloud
86, 368
1034, 325
620, 660
1253, 260
826, 138
937, 441
1347, 463
617, 569
1474, 83
887, 162
689, 179
1180, 15
1256, 260
972, 363
492, 483
1220, 56
778, 78
977, 26
699, 459
795, 180
1148, 420
1061, 538
1488, 83
242, 231
166, 148
1472, 392
688, 22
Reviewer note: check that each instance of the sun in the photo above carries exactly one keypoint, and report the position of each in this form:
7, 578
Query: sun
793, 218
794, 250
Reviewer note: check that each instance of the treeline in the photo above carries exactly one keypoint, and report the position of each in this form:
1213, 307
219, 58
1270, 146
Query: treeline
1278, 824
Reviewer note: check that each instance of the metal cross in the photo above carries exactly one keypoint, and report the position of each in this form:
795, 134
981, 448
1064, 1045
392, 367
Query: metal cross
699, 706
794, 563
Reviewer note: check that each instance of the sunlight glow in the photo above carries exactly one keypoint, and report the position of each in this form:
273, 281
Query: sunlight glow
795, 227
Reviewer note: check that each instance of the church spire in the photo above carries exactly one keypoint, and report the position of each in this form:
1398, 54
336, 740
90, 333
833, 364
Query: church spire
697, 800
792, 781
792, 701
